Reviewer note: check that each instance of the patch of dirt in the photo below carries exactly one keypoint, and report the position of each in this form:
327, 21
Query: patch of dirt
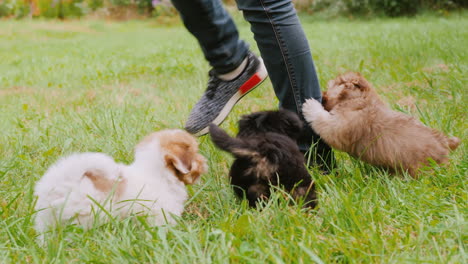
17, 90
90, 95
439, 67
62, 26
123, 90
118, 13
55, 26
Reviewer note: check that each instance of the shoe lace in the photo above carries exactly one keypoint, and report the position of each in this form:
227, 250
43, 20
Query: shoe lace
213, 84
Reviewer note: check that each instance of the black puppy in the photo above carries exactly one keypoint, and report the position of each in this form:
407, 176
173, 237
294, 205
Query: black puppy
267, 155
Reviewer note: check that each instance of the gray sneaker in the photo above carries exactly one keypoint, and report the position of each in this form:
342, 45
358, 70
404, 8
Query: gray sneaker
221, 96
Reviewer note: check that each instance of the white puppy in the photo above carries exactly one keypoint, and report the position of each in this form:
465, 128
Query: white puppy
154, 184
62, 192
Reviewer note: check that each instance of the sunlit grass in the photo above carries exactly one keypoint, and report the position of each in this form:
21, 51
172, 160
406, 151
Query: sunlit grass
97, 86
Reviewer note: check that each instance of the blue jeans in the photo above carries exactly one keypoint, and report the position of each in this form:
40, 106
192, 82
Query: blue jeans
280, 39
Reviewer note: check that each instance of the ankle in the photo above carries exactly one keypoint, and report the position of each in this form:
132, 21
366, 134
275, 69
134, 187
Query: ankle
236, 72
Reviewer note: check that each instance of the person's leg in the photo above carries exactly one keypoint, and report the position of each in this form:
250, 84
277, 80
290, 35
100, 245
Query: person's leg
287, 57
236, 71
215, 31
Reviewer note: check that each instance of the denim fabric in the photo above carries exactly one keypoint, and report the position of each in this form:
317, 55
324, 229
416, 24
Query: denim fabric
280, 39
215, 31
286, 54
284, 49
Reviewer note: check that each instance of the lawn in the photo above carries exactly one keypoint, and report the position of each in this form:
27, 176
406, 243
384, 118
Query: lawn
99, 86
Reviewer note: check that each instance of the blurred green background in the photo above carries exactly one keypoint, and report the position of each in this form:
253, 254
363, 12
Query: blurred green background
127, 9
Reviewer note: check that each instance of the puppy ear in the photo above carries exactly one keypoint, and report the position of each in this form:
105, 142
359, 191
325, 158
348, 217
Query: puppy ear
187, 170
324, 97
360, 82
177, 163
259, 120
248, 122
351, 80
343, 95
288, 123
360, 86
199, 167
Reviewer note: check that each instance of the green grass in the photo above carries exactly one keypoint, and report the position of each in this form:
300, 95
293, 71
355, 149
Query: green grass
98, 86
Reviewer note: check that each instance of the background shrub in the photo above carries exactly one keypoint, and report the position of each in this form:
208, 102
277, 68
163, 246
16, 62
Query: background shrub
95, 4
123, 9
4, 9
43, 8
77, 8
395, 8
60, 8
391, 8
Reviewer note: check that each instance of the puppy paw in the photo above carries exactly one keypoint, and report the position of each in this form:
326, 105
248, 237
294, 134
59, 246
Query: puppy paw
311, 108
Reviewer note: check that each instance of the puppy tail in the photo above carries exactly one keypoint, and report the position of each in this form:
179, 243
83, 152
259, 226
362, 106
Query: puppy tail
236, 146
453, 142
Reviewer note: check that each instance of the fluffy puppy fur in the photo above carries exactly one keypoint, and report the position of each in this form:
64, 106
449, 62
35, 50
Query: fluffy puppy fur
354, 119
154, 184
266, 155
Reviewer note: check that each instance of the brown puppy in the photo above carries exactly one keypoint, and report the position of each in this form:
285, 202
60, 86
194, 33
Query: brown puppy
357, 121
